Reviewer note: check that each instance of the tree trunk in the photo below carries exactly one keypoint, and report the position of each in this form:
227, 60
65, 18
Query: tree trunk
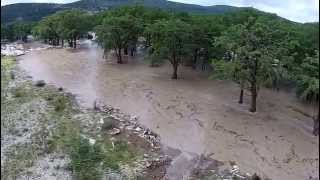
316, 125
148, 41
70, 43
195, 58
62, 43
132, 50
125, 51
119, 56
104, 53
75, 43
254, 95
253, 89
175, 70
241, 96
205, 60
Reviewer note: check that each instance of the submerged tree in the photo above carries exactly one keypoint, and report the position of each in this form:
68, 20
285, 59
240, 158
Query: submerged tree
170, 40
255, 59
203, 33
118, 33
65, 25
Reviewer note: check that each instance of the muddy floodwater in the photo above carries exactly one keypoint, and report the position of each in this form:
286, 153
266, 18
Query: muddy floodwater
193, 114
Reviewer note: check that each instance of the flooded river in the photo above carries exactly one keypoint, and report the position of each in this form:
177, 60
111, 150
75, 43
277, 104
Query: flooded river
192, 114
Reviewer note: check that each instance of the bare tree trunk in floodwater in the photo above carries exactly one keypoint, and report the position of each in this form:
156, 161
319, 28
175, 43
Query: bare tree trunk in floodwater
132, 50
175, 72
95, 105
316, 125
195, 58
254, 86
175, 64
104, 53
125, 51
75, 43
148, 41
119, 56
254, 95
70, 43
205, 60
241, 96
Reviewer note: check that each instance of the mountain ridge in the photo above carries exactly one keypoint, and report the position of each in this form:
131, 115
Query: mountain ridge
36, 11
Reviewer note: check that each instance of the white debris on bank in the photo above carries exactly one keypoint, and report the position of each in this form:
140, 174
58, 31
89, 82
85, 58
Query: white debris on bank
12, 50
17, 49
93, 34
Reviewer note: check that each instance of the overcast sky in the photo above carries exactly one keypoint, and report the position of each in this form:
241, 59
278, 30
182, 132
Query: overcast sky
295, 10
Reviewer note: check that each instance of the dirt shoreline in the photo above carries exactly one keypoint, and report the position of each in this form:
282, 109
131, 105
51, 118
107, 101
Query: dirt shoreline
193, 114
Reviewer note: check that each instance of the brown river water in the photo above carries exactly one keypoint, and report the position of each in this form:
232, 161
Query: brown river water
193, 114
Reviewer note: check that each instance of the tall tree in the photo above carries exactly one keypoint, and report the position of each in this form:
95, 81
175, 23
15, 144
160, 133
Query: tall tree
256, 56
205, 29
170, 39
118, 32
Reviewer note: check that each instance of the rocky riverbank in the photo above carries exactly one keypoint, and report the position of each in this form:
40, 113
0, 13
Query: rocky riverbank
19, 48
40, 127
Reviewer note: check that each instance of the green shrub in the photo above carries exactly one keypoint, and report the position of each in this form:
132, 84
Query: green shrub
19, 92
86, 159
60, 103
119, 153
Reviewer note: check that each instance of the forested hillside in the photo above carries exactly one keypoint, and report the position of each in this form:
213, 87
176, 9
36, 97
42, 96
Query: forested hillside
36, 11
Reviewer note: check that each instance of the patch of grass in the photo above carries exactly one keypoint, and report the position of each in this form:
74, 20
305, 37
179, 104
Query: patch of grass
7, 62
86, 159
60, 103
19, 92
117, 153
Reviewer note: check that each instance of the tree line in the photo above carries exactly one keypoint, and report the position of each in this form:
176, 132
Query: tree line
63, 26
16, 31
249, 47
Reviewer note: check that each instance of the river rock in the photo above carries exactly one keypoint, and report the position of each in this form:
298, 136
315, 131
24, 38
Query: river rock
255, 177
92, 141
40, 83
114, 131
